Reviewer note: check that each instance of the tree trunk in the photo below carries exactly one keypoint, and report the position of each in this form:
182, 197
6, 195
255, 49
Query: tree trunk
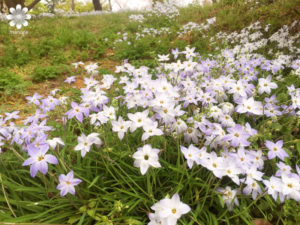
97, 5
110, 7
73, 5
13, 3
1, 6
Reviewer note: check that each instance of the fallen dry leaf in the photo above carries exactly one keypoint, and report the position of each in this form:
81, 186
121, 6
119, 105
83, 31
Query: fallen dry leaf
261, 222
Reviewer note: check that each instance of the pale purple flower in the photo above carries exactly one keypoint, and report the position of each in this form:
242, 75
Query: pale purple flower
71, 79
35, 118
67, 183
40, 143
39, 161
50, 102
175, 52
34, 99
13, 115
276, 150
76, 111
237, 136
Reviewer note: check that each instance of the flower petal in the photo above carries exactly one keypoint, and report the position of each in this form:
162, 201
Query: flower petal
33, 169
29, 161
51, 159
12, 10
43, 167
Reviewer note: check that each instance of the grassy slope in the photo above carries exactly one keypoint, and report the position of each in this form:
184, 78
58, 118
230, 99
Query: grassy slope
66, 40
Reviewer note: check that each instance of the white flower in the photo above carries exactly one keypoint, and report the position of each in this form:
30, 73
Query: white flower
227, 108
18, 16
63, 100
252, 187
120, 126
232, 170
85, 143
251, 106
291, 187
215, 112
54, 91
229, 196
150, 129
170, 210
109, 112
179, 126
265, 85
191, 154
145, 157
274, 186
138, 119
162, 58
191, 134
215, 164
54, 142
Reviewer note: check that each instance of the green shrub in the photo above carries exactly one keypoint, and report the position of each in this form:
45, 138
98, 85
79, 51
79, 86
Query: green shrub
84, 56
13, 55
4, 33
10, 82
42, 73
141, 49
58, 57
47, 46
99, 50
82, 38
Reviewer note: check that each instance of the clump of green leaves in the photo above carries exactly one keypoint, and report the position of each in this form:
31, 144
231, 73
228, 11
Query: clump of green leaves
10, 82
13, 55
42, 73
82, 38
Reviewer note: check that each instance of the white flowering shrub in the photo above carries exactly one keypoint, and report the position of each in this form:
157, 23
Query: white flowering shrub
167, 8
137, 18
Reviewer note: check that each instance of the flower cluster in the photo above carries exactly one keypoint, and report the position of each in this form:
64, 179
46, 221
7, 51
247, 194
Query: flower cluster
137, 18
167, 8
